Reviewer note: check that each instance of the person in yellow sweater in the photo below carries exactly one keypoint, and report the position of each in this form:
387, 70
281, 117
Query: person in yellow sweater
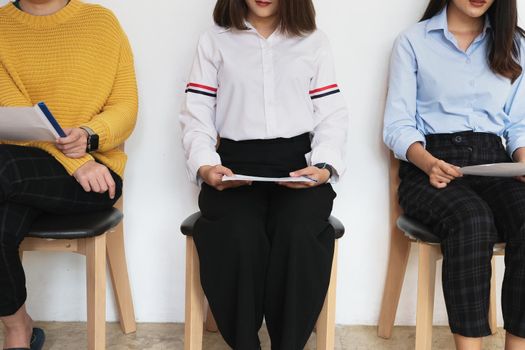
76, 58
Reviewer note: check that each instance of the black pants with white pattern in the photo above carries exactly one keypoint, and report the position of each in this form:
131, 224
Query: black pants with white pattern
32, 182
265, 251
470, 215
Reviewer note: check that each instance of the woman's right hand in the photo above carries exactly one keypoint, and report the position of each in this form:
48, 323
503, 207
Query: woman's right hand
95, 177
212, 175
441, 173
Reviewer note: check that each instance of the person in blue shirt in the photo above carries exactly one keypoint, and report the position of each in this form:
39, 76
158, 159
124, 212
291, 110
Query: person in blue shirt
456, 89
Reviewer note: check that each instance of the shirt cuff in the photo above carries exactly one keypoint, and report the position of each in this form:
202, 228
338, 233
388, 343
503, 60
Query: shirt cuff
403, 144
329, 156
198, 160
100, 128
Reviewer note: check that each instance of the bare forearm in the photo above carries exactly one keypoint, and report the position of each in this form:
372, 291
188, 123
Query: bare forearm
420, 157
440, 173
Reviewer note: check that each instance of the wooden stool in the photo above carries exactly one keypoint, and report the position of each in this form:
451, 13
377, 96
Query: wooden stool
403, 232
93, 235
195, 308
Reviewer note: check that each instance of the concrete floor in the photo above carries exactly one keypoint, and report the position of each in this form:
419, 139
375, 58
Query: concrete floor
62, 336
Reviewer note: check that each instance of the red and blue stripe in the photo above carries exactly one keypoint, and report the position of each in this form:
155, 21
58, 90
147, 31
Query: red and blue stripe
324, 91
201, 89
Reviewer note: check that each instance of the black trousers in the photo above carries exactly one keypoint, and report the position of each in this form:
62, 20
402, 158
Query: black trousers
470, 215
265, 250
31, 183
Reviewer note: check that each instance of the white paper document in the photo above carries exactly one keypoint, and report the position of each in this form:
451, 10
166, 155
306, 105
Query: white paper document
29, 124
266, 179
498, 169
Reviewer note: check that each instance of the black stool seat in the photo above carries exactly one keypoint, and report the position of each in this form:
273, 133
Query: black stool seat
416, 230
75, 226
419, 232
187, 226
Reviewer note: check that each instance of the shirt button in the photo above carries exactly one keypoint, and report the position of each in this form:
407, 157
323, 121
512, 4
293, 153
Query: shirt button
470, 149
458, 139
468, 61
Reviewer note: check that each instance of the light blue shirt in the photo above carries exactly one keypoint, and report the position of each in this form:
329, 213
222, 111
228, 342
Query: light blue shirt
437, 88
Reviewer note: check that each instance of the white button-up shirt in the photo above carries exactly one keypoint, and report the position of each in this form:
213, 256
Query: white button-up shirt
245, 87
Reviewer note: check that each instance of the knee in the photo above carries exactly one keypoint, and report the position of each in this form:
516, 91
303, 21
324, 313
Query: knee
4, 182
472, 224
6, 154
295, 231
6, 162
244, 236
518, 237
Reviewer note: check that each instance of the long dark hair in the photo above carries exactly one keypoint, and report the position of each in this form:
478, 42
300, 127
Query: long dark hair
504, 47
296, 17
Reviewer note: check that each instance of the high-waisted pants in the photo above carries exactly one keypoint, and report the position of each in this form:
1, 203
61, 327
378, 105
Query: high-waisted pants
470, 215
265, 250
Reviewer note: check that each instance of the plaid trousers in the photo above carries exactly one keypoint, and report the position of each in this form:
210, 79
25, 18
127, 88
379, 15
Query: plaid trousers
32, 182
470, 215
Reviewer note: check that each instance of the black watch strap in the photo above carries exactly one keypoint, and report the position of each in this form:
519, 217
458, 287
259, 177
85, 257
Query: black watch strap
92, 140
325, 166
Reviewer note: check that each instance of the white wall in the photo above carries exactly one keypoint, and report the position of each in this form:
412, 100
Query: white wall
163, 34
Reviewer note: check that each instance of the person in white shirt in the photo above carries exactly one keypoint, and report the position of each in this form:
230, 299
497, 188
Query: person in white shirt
262, 100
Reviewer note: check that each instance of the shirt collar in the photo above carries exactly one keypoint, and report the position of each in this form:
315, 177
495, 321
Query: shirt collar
440, 22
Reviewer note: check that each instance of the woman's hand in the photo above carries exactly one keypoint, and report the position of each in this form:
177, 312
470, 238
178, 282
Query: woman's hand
74, 145
320, 177
441, 173
95, 177
212, 175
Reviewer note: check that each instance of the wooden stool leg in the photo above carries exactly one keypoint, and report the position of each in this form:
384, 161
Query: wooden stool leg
119, 276
96, 292
397, 265
211, 324
193, 327
326, 320
428, 256
493, 313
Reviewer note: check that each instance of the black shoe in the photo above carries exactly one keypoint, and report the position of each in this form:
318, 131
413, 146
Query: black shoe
37, 339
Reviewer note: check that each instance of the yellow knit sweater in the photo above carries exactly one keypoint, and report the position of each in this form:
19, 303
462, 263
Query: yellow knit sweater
79, 62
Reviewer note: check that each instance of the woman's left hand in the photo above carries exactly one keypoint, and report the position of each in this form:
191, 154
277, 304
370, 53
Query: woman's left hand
74, 144
321, 176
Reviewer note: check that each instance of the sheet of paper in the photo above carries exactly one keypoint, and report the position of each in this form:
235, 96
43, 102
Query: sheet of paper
498, 169
25, 124
266, 179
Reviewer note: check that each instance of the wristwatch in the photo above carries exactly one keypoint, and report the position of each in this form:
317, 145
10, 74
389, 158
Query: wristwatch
92, 139
325, 166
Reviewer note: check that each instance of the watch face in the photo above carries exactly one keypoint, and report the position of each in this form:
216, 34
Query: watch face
93, 143
325, 166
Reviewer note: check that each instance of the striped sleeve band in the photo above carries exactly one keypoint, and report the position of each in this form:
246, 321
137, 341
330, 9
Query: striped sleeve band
324, 91
201, 89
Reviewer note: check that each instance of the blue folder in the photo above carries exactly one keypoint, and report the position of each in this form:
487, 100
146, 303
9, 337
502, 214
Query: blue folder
51, 119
